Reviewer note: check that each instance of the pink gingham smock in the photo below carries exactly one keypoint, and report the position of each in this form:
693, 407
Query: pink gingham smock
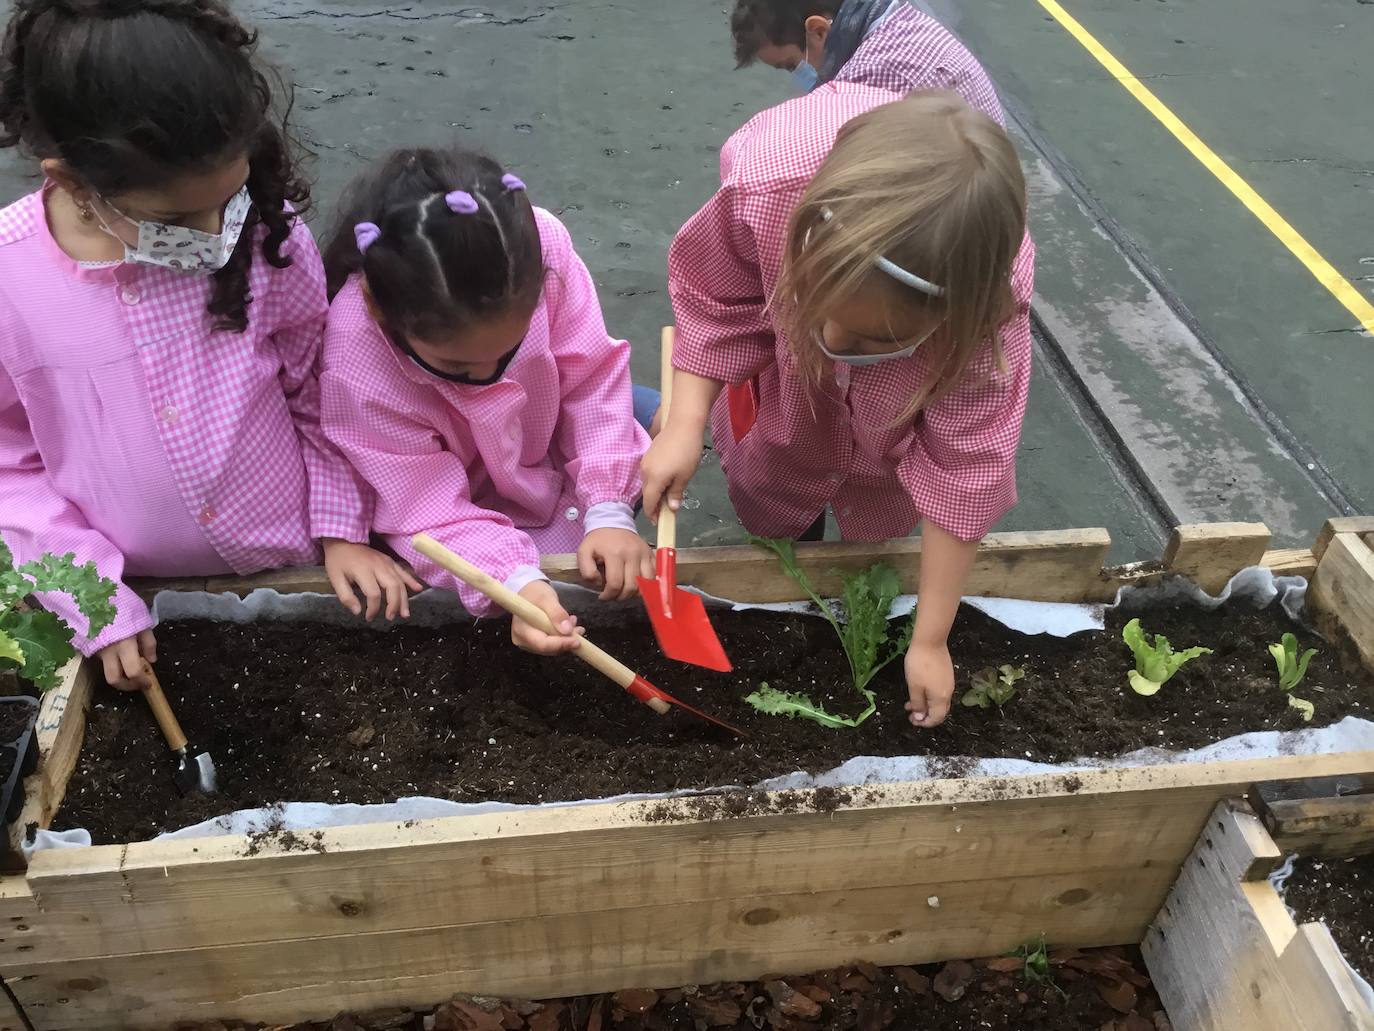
909, 50
136, 436
500, 473
837, 444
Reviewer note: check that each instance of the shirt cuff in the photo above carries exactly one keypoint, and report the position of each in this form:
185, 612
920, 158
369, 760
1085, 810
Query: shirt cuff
522, 577
610, 515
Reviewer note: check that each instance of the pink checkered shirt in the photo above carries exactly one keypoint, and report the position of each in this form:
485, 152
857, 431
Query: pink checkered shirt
911, 51
499, 473
134, 435
837, 445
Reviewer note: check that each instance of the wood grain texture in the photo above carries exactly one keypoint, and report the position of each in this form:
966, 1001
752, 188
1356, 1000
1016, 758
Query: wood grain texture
1323, 827
1343, 589
658, 945
1341, 524
60, 732
1226, 956
1211, 553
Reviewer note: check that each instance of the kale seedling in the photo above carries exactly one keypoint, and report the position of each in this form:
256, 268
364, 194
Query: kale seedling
33, 641
1157, 662
864, 632
993, 687
1292, 668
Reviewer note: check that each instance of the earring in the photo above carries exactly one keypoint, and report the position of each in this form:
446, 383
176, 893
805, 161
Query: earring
85, 211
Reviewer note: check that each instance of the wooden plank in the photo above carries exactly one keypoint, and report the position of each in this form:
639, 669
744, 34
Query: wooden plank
60, 731
11, 1018
1290, 562
1058, 565
591, 859
1343, 588
1211, 553
1341, 524
1226, 956
688, 942
1323, 827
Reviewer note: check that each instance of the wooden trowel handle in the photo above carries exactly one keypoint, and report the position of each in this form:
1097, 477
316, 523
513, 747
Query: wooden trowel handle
667, 518
162, 711
523, 608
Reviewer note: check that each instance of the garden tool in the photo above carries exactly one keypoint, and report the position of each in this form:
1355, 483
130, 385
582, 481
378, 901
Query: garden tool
679, 617
522, 608
195, 770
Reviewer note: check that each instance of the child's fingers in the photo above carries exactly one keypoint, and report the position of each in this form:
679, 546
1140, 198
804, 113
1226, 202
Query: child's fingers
147, 645
646, 564
916, 708
343, 589
372, 591
132, 665
395, 593
410, 580
615, 578
586, 566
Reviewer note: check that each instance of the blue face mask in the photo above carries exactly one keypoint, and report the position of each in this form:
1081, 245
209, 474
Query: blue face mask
805, 76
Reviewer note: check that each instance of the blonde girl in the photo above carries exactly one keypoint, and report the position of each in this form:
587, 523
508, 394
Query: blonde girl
861, 283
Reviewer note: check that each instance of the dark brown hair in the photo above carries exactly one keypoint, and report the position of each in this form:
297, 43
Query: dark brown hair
130, 94
432, 271
755, 24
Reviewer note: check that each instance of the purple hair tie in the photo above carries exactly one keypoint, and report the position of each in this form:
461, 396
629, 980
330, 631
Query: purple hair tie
366, 233
460, 202
512, 183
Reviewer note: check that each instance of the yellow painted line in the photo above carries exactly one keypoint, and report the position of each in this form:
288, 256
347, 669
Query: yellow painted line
1322, 269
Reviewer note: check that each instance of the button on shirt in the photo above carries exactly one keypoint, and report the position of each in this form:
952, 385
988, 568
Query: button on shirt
135, 435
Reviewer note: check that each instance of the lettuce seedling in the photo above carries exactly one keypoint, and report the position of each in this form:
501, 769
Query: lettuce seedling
35, 642
1157, 662
1292, 668
993, 687
864, 632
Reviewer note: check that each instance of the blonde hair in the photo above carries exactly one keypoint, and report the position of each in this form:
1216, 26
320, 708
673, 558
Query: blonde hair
935, 187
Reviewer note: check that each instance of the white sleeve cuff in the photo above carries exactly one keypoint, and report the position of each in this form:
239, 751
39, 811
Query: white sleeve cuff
522, 577
610, 515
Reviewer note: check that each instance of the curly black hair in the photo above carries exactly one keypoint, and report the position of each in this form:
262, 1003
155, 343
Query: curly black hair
132, 93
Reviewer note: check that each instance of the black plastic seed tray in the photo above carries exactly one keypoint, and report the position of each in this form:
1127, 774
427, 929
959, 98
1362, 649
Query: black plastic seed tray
18, 750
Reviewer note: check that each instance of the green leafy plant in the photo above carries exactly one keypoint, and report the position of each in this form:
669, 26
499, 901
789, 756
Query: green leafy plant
1292, 668
1035, 961
864, 632
33, 641
993, 687
1155, 660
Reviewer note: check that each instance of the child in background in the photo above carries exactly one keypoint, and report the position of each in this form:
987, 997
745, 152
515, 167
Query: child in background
161, 312
469, 378
865, 275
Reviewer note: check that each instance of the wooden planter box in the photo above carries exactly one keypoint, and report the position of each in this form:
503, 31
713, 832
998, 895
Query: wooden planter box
551, 902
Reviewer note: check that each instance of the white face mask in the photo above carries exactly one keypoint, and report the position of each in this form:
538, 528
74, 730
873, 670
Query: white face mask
181, 248
859, 360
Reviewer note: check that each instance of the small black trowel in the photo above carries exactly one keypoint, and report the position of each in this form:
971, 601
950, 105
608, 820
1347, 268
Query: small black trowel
195, 770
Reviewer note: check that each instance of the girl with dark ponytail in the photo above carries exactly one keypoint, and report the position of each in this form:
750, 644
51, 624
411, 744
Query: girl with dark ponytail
161, 312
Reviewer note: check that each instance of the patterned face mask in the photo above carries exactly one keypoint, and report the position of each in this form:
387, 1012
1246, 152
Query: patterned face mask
183, 249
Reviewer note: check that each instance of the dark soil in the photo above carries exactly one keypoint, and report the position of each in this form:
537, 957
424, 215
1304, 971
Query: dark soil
14, 719
1094, 990
1339, 893
311, 713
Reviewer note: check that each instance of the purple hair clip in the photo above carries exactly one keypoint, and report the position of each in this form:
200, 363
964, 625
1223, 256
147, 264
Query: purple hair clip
366, 233
460, 202
512, 183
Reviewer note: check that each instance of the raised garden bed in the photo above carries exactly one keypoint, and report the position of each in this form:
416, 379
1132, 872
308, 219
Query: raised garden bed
558, 902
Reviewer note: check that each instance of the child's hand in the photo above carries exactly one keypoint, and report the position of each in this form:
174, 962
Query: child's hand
351, 566
930, 682
610, 559
531, 638
668, 466
123, 661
